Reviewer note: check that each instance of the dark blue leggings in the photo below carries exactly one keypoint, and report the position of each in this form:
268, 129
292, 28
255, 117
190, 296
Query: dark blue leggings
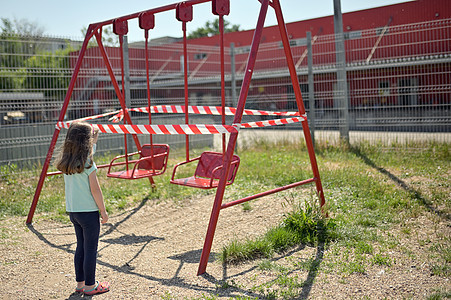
87, 230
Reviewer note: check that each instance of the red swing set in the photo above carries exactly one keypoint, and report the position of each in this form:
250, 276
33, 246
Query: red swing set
153, 158
214, 169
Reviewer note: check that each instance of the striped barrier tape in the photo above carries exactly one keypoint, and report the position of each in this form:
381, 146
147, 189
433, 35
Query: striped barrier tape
274, 122
159, 129
98, 116
203, 110
185, 128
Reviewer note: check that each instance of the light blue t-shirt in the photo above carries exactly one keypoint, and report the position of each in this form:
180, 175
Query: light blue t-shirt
78, 191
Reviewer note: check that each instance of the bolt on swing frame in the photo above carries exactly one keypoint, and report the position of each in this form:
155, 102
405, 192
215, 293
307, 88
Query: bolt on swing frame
95, 30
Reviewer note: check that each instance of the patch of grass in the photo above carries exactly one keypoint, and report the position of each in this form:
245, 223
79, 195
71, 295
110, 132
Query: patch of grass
268, 265
441, 253
306, 265
354, 266
363, 247
381, 260
209, 297
238, 251
304, 225
439, 295
9, 173
246, 206
443, 270
286, 285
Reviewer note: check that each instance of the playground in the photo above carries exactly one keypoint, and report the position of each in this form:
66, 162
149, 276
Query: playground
388, 229
393, 243
152, 250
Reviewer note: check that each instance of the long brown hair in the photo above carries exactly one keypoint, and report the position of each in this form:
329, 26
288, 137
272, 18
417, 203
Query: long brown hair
76, 154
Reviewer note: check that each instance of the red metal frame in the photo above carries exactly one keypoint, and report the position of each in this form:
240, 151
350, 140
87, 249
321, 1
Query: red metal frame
217, 206
184, 14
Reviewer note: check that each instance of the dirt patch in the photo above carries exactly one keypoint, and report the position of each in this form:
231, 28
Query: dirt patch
152, 252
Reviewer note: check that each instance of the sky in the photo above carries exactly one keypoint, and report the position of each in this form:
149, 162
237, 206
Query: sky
66, 19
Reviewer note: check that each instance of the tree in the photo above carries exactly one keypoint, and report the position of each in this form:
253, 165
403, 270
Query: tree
41, 75
21, 27
26, 65
108, 37
19, 39
211, 28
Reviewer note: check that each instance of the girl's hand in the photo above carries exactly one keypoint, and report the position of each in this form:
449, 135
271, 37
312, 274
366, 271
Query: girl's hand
104, 216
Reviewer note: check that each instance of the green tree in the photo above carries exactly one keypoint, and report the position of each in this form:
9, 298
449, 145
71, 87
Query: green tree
109, 39
26, 65
211, 28
21, 27
49, 72
19, 39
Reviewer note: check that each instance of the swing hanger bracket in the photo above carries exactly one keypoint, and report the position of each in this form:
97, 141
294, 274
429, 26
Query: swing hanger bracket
146, 20
120, 27
220, 7
184, 12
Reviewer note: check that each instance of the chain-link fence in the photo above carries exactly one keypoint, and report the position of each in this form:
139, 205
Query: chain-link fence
398, 86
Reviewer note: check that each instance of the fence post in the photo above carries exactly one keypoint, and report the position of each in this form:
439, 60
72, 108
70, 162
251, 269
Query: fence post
311, 91
233, 80
342, 83
233, 74
127, 95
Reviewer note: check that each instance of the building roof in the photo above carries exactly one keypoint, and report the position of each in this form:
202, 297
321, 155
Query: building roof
397, 14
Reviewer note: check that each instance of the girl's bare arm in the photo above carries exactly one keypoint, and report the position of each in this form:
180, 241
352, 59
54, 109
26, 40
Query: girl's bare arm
98, 196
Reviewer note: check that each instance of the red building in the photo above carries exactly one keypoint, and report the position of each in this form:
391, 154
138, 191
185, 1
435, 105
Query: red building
397, 56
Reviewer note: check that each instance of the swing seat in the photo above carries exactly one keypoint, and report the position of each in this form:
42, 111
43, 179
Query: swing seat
208, 171
152, 161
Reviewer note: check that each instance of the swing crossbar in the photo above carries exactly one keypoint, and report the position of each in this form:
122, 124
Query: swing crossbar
269, 192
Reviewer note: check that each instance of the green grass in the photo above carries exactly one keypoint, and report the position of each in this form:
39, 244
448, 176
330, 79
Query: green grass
303, 225
439, 295
372, 196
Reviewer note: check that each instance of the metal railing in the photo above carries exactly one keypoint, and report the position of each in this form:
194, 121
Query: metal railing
398, 79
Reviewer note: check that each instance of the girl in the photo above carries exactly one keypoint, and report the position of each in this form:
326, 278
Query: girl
84, 200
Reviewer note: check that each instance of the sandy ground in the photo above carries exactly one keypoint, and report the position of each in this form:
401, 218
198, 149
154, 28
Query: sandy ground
152, 252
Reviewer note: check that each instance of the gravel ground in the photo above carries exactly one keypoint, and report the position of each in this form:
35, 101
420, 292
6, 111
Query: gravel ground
152, 252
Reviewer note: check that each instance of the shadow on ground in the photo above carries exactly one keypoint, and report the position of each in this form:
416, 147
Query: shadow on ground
190, 257
415, 194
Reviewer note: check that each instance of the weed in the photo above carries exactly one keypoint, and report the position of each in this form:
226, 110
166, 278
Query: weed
9, 173
441, 270
300, 226
354, 267
439, 294
381, 260
307, 265
363, 247
308, 225
268, 265
246, 206
238, 251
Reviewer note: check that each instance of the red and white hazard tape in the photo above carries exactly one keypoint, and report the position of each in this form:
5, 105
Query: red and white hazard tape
98, 116
185, 128
203, 110
159, 129
273, 122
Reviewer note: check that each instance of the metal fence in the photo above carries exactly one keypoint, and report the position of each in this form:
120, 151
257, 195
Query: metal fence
398, 87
